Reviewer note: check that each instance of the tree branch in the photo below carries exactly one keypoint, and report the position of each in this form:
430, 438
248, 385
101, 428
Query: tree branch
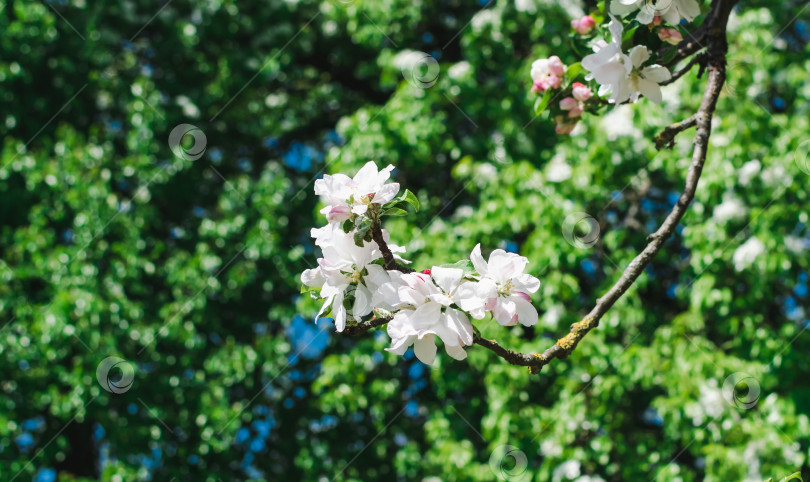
688, 46
378, 237
697, 59
716, 61
364, 326
666, 138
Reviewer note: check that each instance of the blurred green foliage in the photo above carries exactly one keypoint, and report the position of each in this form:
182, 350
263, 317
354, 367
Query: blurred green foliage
113, 246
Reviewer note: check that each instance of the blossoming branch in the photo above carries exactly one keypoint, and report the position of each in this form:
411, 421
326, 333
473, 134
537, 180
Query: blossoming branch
365, 282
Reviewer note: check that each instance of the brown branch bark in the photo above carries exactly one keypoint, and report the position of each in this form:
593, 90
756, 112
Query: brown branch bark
377, 235
364, 326
666, 138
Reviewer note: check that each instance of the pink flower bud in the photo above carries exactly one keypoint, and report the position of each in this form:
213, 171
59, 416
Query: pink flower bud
555, 66
670, 35
573, 107
581, 91
564, 126
338, 214
568, 103
583, 25
537, 87
427, 272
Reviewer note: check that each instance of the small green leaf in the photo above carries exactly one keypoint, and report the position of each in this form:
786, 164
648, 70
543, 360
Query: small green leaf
574, 70
363, 232
406, 197
542, 103
410, 198
394, 212
795, 476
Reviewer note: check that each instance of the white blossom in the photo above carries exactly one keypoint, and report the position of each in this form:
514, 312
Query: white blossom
747, 253
345, 267
749, 171
506, 286
345, 195
672, 11
426, 310
731, 208
621, 75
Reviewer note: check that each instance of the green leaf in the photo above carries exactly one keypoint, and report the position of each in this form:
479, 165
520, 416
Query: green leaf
542, 103
410, 198
363, 233
394, 212
406, 197
795, 476
347, 226
574, 70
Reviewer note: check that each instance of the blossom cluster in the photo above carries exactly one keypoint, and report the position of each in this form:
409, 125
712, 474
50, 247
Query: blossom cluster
439, 302
623, 65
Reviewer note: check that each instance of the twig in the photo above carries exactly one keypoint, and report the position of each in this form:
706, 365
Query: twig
688, 46
716, 61
388, 256
364, 326
699, 58
666, 138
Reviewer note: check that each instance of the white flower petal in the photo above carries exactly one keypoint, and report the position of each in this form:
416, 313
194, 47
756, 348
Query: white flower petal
456, 352
426, 316
362, 302
425, 349
650, 90
527, 314
446, 278
638, 55
526, 282
504, 312
478, 260
460, 325
656, 73
313, 277
339, 312
400, 345
386, 193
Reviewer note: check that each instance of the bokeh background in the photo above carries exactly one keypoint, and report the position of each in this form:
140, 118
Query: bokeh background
113, 245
